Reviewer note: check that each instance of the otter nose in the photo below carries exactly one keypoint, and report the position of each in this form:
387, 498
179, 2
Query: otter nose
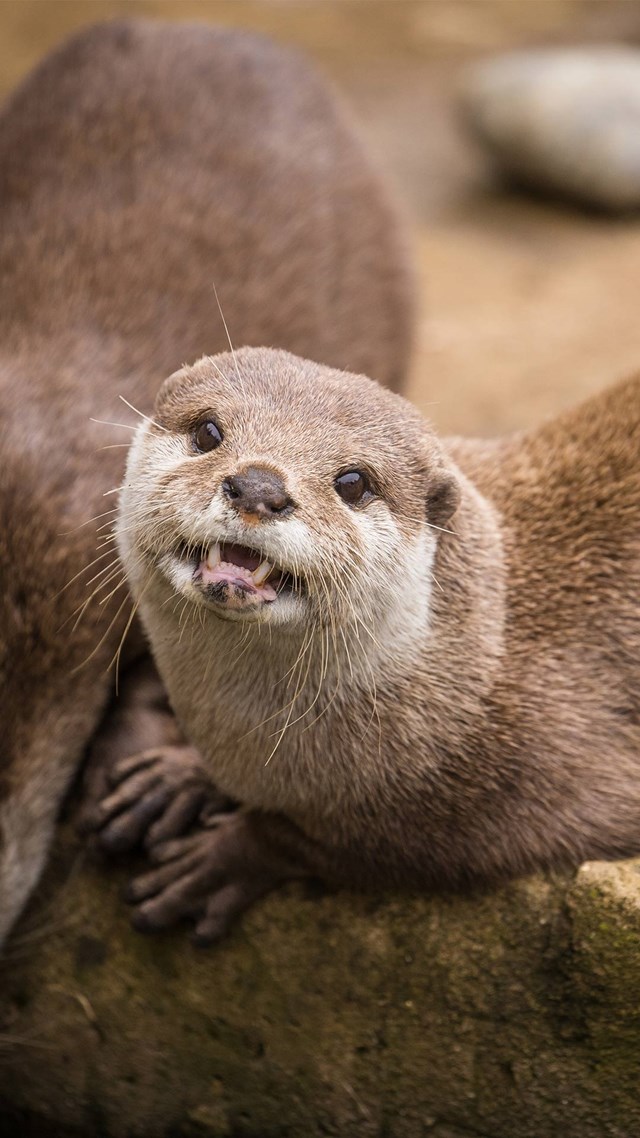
258, 491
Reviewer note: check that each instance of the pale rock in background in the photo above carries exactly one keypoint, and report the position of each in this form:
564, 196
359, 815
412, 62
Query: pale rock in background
565, 120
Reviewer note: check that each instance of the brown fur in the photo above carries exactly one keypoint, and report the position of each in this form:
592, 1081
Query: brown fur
139, 165
499, 734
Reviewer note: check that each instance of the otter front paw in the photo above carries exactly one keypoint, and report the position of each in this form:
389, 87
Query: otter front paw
153, 796
210, 876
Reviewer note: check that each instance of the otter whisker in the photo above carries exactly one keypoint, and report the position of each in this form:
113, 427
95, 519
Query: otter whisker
281, 736
290, 670
220, 371
102, 639
298, 679
296, 667
105, 600
324, 642
122, 583
83, 604
233, 354
185, 609
442, 529
83, 608
107, 423
147, 418
81, 525
110, 568
317, 695
115, 660
85, 569
436, 581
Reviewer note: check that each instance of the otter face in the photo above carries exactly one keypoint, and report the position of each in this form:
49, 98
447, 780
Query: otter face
271, 489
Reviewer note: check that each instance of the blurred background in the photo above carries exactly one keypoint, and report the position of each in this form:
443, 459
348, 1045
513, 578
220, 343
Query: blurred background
527, 304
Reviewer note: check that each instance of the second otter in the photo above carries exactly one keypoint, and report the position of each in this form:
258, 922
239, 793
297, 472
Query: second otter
412, 662
141, 163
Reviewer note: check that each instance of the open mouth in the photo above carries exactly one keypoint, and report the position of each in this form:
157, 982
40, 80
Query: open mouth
236, 576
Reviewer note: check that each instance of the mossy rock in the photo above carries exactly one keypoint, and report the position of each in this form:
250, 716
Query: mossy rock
509, 1015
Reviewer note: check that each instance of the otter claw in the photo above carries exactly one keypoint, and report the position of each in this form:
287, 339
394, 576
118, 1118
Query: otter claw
155, 796
133, 764
127, 829
221, 912
211, 876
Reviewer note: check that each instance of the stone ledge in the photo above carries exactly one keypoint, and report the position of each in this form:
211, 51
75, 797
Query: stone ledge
510, 1015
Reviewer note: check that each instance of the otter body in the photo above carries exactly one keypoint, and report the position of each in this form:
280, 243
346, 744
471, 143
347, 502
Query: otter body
140, 165
440, 687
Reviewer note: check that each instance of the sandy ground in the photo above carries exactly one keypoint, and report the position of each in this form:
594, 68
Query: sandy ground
527, 305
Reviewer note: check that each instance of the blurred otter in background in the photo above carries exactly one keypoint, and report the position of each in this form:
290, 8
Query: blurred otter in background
141, 164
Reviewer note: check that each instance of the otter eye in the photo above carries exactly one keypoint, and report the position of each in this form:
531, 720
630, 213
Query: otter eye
353, 487
207, 435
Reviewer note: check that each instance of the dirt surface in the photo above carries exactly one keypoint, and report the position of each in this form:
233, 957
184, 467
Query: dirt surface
528, 305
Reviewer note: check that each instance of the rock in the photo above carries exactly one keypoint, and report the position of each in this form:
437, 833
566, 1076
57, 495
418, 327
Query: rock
566, 121
514, 1014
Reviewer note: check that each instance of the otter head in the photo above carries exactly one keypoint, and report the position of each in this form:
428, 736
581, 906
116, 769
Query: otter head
268, 488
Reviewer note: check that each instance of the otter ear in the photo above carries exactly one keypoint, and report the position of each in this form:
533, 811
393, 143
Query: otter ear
443, 498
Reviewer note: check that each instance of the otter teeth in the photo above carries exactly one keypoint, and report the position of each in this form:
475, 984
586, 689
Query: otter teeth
213, 556
262, 572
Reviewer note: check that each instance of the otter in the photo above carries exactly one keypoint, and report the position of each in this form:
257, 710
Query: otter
144, 165
412, 663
